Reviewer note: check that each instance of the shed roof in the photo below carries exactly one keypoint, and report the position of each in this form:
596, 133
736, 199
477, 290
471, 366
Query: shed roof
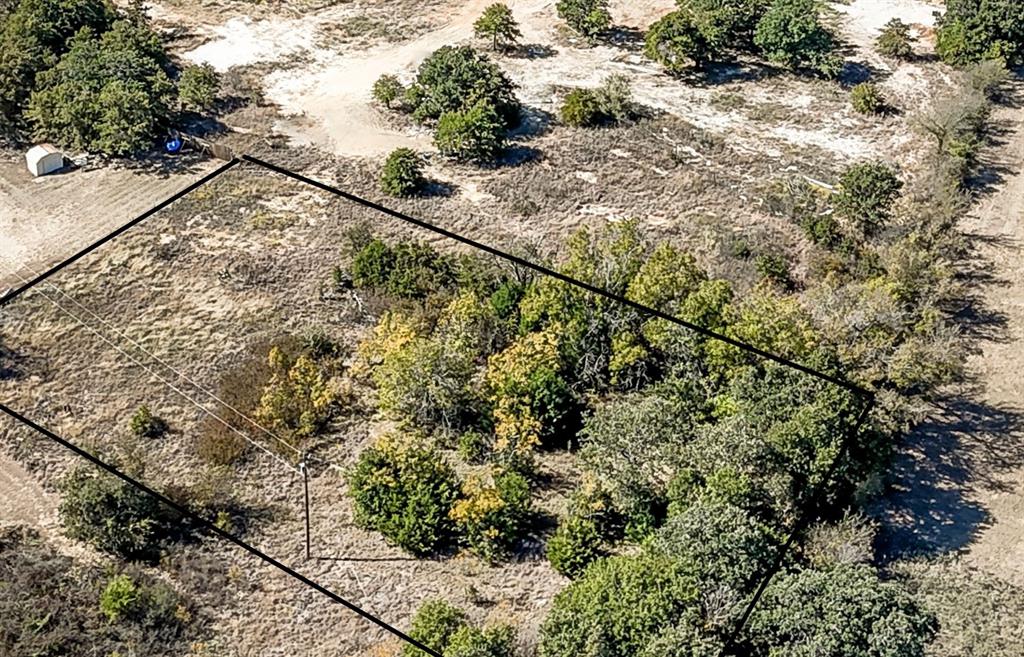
40, 150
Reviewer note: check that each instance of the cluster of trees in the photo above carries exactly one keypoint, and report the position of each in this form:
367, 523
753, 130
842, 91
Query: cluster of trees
691, 448
785, 32
89, 76
464, 95
50, 605
972, 31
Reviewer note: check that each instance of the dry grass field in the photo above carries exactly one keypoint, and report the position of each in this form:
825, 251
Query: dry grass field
157, 316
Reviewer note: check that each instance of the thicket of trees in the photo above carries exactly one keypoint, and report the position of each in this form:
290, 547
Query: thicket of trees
971, 31
88, 76
785, 32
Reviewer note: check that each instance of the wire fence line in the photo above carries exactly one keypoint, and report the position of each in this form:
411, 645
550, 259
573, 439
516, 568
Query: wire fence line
157, 376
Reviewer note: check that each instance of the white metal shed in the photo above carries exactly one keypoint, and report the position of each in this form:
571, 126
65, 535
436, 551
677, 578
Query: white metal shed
42, 159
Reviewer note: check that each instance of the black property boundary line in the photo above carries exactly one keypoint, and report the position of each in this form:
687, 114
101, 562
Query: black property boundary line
866, 397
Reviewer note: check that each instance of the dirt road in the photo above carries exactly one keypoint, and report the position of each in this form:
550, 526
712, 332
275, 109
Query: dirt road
959, 485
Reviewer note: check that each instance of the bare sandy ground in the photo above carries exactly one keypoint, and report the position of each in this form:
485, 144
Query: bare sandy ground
325, 93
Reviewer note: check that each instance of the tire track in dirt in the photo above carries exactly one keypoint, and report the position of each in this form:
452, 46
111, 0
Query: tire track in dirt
958, 484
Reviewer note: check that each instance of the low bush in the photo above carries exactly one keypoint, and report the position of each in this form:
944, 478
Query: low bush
575, 545
491, 514
403, 173
895, 41
867, 193
675, 41
433, 625
198, 87
407, 270
774, 268
475, 134
403, 488
588, 17
581, 109
146, 425
111, 515
867, 99
469, 641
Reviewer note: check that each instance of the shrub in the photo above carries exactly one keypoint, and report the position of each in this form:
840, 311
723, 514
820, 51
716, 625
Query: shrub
498, 25
491, 515
675, 41
387, 89
975, 30
843, 611
727, 545
403, 488
458, 79
615, 98
477, 133
146, 425
298, 400
408, 270
588, 17
119, 597
403, 173
198, 87
474, 446
895, 41
867, 192
774, 268
791, 34
848, 541
574, 546
581, 109
491, 642
867, 99
433, 625
822, 229
618, 606
110, 514
531, 399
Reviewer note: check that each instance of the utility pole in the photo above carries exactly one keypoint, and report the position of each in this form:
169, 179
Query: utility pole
305, 487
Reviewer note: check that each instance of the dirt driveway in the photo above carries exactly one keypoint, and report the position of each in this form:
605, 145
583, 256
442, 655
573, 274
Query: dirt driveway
959, 485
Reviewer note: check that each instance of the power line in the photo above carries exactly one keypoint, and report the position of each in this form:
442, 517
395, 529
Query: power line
209, 526
162, 380
138, 346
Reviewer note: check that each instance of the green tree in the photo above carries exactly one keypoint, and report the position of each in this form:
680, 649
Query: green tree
33, 36
403, 173
498, 25
198, 87
895, 41
433, 625
725, 24
867, 192
843, 612
477, 133
588, 17
111, 515
107, 94
403, 488
387, 89
791, 34
675, 42
975, 30
459, 79
728, 546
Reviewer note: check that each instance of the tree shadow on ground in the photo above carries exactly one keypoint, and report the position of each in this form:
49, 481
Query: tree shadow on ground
965, 445
531, 51
626, 38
